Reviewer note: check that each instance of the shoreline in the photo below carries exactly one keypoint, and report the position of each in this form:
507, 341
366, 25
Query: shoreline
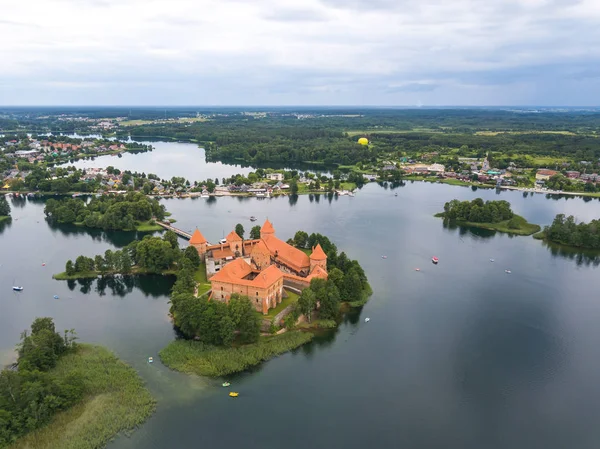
525, 228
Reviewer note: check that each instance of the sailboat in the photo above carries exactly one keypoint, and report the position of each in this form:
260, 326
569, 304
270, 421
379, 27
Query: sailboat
16, 288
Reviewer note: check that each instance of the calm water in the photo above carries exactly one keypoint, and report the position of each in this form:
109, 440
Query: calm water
458, 355
168, 159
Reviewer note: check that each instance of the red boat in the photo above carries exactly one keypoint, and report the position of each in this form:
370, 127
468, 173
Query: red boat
435, 259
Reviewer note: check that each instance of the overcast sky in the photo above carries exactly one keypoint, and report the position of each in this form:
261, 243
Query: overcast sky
300, 52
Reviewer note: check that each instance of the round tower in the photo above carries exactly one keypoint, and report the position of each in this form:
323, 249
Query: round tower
318, 257
199, 242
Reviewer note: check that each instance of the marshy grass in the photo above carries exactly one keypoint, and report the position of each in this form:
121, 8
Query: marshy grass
194, 357
115, 400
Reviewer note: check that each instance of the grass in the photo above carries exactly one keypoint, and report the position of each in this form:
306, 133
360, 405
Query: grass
115, 401
200, 277
318, 324
194, 357
4, 218
517, 225
147, 226
291, 299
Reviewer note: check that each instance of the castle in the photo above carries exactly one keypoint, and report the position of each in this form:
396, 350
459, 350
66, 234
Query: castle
258, 268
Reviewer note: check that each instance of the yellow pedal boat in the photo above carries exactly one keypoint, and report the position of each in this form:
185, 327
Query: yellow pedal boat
233, 394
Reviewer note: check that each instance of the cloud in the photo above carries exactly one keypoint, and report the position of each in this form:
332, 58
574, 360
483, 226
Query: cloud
389, 52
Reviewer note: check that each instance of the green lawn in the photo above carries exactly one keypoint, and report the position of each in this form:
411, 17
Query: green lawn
194, 357
115, 400
200, 278
291, 299
147, 226
4, 217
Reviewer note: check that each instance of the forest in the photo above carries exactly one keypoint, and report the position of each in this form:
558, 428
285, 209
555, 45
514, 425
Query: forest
30, 394
108, 212
567, 231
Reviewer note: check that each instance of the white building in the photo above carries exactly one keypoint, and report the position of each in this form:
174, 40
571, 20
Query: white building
275, 176
436, 168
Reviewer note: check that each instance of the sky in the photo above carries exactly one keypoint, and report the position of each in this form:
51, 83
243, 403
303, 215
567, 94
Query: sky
300, 52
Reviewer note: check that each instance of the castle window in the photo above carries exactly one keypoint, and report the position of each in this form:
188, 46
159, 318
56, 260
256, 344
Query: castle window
256, 293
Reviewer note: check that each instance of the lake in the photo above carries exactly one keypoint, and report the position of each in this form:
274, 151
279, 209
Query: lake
458, 355
168, 159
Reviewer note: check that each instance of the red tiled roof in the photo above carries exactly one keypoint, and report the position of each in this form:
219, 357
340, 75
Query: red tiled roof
267, 228
233, 237
318, 253
235, 271
222, 253
260, 248
317, 272
197, 237
287, 254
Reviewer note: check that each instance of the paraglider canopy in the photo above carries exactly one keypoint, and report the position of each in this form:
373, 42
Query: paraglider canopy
363, 141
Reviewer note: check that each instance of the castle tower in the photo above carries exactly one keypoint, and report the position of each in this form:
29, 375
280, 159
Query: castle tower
235, 243
267, 229
199, 242
318, 257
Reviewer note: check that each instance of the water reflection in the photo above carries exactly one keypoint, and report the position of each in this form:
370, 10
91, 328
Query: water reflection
293, 199
469, 230
5, 224
18, 202
582, 257
116, 238
155, 286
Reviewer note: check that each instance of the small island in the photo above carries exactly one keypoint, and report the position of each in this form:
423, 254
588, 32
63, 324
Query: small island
151, 255
130, 212
266, 296
566, 231
4, 209
64, 394
492, 215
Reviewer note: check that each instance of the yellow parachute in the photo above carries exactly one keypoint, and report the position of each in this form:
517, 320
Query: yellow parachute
363, 141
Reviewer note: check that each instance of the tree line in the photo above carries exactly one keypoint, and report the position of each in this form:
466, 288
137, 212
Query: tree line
212, 322
567, 231
151, 254
109, 212
31, 394
477, 211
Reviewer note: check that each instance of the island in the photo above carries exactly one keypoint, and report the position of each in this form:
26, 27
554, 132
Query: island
264, 297
4, 209
130, 212
61, 393
492, 215
566, 231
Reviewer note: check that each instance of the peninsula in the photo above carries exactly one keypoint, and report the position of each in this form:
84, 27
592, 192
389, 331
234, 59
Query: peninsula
82, 395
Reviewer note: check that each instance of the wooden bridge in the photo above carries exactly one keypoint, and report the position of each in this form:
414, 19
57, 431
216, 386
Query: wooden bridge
179, 232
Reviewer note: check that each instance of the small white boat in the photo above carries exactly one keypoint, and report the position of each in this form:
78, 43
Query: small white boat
367, 319
417, 269
253, 218
17, 289
226, 384
491, 260
507, 271
384, 257
150, 360
435, 259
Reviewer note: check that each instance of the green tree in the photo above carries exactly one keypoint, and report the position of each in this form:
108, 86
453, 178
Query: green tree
307, 303
301, 239
294, 187
4, 207
69, 268
239, 230
171, 237
255, 232
192, 255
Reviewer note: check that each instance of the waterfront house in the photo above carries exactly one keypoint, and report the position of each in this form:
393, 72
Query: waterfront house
275, 176
544, 174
